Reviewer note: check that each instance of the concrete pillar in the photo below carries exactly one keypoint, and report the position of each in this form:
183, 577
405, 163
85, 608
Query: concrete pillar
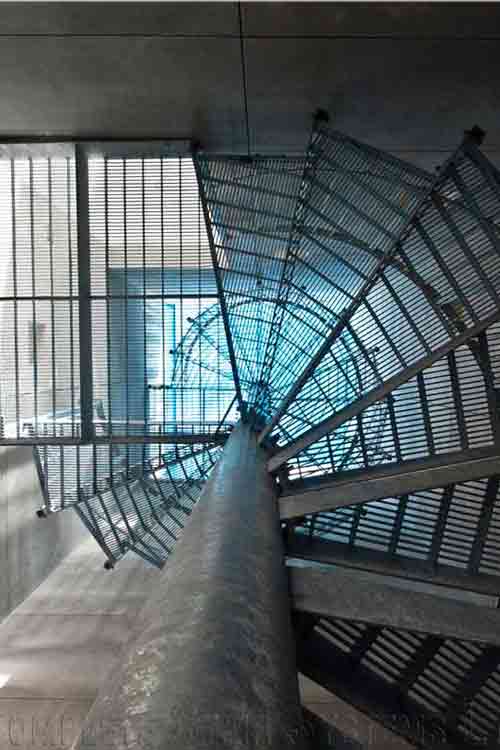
213, 665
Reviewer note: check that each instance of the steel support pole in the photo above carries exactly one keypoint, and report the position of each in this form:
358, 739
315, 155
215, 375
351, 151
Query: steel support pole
213, 660
84, 298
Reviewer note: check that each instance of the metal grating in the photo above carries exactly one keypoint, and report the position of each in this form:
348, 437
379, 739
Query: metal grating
426, 298
450, 686
69, 472
445, 409
454, 526
251, 204
146, 514
353, 201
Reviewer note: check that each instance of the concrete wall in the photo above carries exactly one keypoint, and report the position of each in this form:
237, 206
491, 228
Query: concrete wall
30, 548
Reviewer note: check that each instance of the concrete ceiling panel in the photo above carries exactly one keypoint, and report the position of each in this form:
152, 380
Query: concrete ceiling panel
410, 84
371, 19
123, 87
405, 96
134, 18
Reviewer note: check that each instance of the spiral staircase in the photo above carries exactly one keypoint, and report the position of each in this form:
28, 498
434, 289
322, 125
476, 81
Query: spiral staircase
345, 303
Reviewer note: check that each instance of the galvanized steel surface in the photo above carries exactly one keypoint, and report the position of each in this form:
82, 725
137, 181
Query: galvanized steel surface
214, 666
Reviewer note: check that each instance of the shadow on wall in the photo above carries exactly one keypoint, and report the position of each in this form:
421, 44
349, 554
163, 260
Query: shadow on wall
30, 547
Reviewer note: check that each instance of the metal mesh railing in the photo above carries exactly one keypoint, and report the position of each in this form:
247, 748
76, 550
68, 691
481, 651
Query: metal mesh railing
133, 222
39, 327
151, 276
146, 514
69, 471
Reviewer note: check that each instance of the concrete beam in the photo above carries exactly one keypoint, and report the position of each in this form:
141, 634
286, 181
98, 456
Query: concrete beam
352, 488
87, 428
335, 553
166, 438
350, 595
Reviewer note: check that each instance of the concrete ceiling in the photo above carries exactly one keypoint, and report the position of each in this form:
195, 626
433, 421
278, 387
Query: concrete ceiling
407, 77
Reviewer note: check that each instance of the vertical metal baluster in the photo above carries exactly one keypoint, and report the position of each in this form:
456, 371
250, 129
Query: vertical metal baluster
200, 378
14, 284
144, 281
126, 315
109, 363
162, 272
78, 466
84, 297
52, 293
181, 307
34, 304
71, 302
61, 470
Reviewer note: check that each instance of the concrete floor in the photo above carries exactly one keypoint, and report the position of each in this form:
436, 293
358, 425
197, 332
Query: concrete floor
59, 645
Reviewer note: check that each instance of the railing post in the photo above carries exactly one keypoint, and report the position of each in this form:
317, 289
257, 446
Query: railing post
84, 302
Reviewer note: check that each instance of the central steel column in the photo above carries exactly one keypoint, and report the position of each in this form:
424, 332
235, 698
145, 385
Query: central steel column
213, 664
